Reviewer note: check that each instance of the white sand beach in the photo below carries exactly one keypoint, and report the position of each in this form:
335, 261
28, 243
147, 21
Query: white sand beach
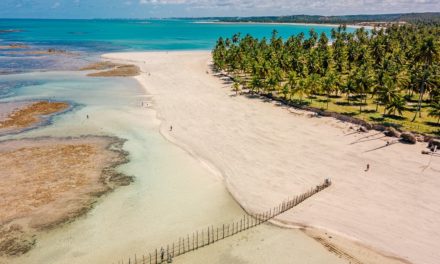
267, 153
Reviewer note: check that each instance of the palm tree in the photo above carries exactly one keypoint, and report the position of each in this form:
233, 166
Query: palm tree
328, 84
383, 65
397, 103
350, 86
426, 54
302, 89
390, 97
435, 110
286, 90
363, 83
313, 84
255, 84
292, 83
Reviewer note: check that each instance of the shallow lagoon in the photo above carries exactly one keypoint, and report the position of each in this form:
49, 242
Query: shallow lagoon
172, 194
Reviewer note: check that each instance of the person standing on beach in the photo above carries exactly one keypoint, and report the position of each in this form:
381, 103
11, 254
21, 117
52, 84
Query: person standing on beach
171, 128
368, 167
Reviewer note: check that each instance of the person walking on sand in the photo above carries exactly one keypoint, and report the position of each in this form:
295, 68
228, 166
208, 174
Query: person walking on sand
171, 128
368, 167
87, 116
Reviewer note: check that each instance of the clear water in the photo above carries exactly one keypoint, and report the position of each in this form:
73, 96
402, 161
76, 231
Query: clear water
90, 38
173, 194
108, 35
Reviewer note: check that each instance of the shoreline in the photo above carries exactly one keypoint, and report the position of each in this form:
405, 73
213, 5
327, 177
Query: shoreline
280, 23
235, 192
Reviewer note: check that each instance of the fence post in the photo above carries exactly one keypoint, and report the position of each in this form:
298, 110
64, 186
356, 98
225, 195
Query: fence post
183, 243
212, 233
209, 240
246, 222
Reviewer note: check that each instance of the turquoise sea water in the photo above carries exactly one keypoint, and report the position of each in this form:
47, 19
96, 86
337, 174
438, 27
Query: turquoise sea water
90, 38
138, 34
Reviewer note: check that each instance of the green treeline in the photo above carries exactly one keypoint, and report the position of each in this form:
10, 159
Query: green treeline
390, 73
432, 17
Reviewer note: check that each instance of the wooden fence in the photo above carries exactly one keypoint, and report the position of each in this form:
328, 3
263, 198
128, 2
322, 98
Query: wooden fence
210, 235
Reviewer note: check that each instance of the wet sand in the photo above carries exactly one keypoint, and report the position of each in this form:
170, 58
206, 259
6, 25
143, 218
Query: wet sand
14, 46
266, 152
54, 180
109, 69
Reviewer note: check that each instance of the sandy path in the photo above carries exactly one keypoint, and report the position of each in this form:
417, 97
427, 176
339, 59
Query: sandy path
267, 153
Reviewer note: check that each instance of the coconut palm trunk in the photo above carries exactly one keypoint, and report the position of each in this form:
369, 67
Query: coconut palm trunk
419, 104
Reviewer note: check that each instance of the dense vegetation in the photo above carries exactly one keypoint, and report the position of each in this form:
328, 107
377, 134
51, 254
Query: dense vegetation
409, 17
387, 75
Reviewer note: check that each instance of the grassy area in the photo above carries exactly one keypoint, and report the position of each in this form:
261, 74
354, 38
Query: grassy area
425, 125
